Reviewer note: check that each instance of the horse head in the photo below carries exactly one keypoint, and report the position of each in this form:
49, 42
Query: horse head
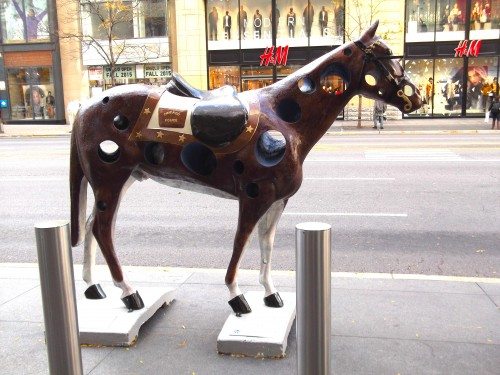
382, 76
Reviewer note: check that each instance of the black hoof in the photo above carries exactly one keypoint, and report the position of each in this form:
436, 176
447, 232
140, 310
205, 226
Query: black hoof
133, 302
240, 305
273, 300
95, 292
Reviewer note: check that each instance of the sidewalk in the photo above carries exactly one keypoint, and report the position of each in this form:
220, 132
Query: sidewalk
381, 324
339, 127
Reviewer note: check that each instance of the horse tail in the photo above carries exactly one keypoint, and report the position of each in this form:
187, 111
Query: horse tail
78, 191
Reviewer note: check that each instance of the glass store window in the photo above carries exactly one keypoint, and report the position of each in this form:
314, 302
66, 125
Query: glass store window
485, 19
256, 77
480, 86
256, 31
450, 19
31, 91
99, 12
421, 20
152, 18
222, 24
296, 17
448, 91
24, 21
421, 71
285, 71
219, 76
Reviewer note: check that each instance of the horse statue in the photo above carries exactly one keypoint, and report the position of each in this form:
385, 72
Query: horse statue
248, 146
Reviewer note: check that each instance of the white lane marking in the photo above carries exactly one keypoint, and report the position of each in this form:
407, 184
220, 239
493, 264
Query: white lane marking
352, 178
413, 154
375, 214
32, 178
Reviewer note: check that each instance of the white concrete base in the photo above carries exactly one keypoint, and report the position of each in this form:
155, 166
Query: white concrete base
263, 332
107, 322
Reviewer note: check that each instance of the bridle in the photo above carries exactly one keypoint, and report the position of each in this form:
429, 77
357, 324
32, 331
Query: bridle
397, 81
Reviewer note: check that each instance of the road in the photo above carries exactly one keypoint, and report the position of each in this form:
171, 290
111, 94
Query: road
421, 204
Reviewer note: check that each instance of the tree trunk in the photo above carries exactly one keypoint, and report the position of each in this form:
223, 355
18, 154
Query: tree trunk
360, 99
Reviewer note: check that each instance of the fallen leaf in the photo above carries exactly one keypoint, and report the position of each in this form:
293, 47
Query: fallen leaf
183, 344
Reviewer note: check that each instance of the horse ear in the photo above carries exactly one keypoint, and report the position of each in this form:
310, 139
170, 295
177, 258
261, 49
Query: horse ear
370, 33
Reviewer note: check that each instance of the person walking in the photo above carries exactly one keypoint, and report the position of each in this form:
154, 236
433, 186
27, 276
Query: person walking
495, 113
379, 114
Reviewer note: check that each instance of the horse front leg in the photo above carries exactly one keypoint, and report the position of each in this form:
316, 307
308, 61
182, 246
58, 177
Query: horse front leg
249, 214
267, 231
107, 200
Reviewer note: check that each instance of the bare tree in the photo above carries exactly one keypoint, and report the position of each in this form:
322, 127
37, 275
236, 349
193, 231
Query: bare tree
360, 15
106, 27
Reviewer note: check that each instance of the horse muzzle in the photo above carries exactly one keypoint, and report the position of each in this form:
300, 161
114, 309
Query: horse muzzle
409, 97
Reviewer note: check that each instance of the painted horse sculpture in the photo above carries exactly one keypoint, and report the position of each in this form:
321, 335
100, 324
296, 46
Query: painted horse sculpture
218, 142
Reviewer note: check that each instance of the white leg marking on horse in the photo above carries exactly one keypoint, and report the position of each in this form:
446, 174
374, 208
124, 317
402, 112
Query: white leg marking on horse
126, 288
89, 252
234, 289
267, 231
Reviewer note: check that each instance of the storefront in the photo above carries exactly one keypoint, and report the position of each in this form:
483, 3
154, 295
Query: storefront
238, 32
30, 85
452, 52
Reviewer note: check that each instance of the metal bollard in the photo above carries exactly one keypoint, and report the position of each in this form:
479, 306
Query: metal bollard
312, 242
58, 294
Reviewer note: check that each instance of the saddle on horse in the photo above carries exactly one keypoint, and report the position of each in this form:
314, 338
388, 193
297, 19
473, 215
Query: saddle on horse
216, 118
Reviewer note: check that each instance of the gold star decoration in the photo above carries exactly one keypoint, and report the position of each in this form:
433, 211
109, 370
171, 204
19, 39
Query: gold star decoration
249, 129
147, 111
159, 134
138, 135
182, 138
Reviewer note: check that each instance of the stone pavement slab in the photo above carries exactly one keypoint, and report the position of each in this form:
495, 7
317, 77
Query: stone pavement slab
380, 325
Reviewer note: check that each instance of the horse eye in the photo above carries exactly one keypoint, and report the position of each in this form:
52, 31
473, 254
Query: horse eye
389, 52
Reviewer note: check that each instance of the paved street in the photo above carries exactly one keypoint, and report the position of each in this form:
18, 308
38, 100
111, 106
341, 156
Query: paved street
420, 204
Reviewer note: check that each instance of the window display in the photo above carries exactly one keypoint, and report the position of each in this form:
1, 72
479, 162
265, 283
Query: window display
297, 15
219, 76
328, 23
223, 24
484, 19
421, 71
31, 93
152, 18
255, 77
257, 30
448, 90
24, 21
421, 20
481, 83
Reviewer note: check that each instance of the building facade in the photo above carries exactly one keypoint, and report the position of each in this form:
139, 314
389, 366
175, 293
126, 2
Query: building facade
54, 52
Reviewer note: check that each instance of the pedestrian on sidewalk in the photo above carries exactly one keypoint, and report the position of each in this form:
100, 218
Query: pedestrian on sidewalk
379, 114
495, 113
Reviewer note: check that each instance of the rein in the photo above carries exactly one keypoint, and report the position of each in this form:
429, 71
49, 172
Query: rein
369, 56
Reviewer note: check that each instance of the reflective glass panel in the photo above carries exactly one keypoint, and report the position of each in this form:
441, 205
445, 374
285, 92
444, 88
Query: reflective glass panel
255, 77
450, 19
481, 83
485, 19
97, 15
328, 23
420, 71
219, 76
32, 95
448, 86
24, 21
295, 19
151, 19
256, 30
421, 20
222, 24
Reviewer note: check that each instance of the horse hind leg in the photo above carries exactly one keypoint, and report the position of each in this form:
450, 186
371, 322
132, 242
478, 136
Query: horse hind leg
107, 200
94, 290
267, 231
